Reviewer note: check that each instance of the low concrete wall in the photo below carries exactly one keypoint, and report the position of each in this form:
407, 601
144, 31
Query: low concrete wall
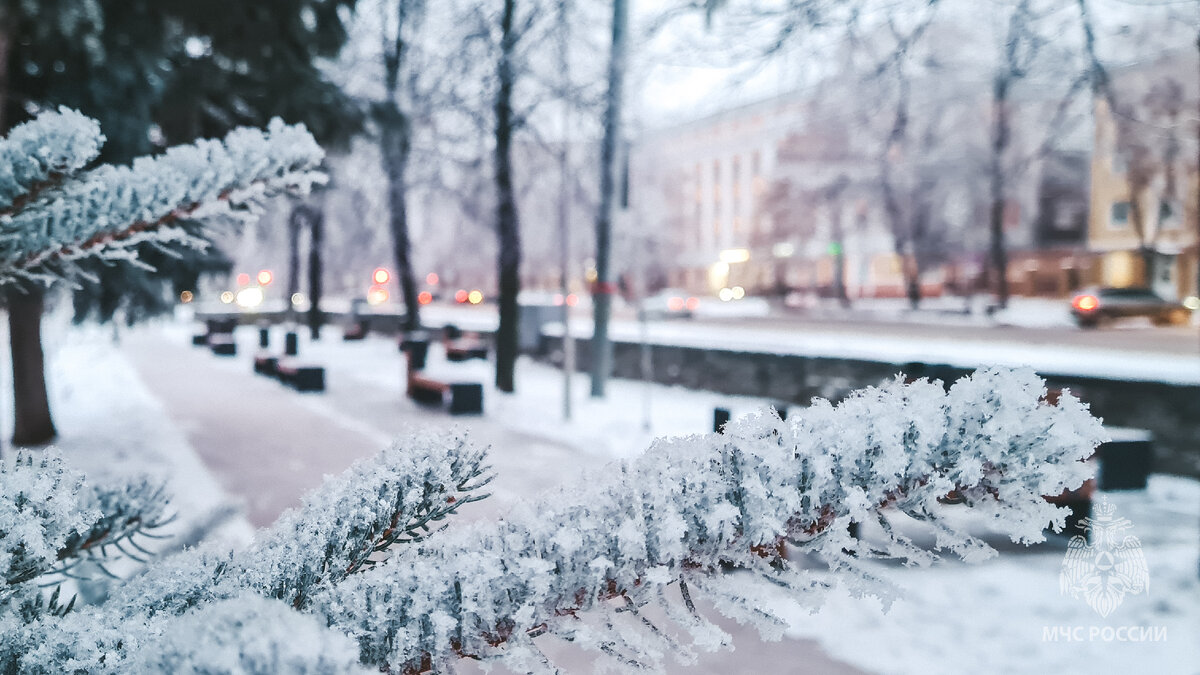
1170, 412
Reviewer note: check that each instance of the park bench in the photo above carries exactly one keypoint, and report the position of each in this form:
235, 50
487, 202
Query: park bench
266, 364
222, 344
356, 330
300, 377
1126, 460
462, 346
458, 397
219, 329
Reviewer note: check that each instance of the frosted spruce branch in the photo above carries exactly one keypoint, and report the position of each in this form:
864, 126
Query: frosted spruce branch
107, 211
690, 508
50, 521
44, 151
706, 517
399, 496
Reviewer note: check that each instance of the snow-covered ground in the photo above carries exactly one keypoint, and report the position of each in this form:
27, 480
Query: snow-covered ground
110, 426
986, 617
990, 617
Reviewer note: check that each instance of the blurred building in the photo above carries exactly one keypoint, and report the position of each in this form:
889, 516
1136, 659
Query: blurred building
1143, 223
785, 196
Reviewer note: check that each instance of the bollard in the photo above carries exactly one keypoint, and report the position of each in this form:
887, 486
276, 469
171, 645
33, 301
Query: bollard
291, 344
720, 419
264, 337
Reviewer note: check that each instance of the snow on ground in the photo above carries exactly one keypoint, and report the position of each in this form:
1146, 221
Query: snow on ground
987, 617
993, 616
990, 617
998, 616
110, 426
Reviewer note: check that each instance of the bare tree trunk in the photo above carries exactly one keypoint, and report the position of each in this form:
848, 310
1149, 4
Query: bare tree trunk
564, 208
603, 290
396, 150
1000, 141
507, 227
901, 229
32, 424
295, 222
316, 236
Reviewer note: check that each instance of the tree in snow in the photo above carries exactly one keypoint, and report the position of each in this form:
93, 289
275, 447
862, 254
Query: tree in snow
363, 575
155, 73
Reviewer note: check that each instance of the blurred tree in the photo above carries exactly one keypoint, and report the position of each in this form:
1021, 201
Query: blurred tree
153, 73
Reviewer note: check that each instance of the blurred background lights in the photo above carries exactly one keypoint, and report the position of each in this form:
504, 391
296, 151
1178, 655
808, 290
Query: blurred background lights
475, 297
243, 279
432, 279
377, 295
185, 297
249, 297
265, 277
298, 299
227, 297
381, 276
424, 298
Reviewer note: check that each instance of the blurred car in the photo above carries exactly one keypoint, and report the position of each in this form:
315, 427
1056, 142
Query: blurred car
669, 303
1093, 305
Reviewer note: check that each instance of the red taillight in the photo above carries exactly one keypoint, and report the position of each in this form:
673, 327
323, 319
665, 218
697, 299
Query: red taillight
692, 304
572, 300
460, 295
675, 304
558, 299
1085, 303
424, 298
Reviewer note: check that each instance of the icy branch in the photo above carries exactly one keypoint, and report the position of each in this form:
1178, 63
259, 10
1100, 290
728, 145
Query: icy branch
106, 210
712, 517
37, 153
691, 507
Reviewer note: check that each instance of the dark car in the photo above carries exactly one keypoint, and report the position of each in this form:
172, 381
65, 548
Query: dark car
1093, 305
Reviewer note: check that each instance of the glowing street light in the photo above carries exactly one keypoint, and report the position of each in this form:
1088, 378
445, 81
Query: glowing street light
381, 276
377, 295
265, 277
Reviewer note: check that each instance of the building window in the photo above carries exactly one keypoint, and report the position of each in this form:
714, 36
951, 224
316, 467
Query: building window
1168, 215
1120, 214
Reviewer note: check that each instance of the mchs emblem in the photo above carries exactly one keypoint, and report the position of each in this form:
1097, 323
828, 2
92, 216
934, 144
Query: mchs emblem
1112, 565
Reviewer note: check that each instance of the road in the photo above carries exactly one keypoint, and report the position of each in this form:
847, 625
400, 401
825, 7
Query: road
1133, 335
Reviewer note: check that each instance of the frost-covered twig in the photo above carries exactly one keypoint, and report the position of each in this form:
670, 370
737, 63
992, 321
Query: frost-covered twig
50, 521
405, 489
582, 562
39, 153
692, 507
107, 210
